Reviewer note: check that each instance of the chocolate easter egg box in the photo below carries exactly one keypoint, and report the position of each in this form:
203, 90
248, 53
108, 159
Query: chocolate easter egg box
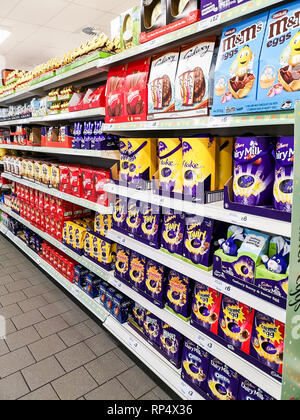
279, 75
236, 76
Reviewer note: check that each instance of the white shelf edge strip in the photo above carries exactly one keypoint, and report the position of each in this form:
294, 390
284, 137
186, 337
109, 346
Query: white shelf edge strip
240, 365
213, 211
245, 368
141, 349
67, 197
88, 113
105, 154
95, 308
201, 276
153, 360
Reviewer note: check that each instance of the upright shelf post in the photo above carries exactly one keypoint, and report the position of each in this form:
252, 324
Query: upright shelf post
291, 363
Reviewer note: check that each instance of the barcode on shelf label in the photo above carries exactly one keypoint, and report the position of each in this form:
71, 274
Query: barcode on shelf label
239, 218
121, 240
158, 200
187, 391
205, 343
218, 122
133, 344
117, 284
38, 261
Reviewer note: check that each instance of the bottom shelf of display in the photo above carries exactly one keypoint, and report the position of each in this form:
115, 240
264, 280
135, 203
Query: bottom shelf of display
129, 338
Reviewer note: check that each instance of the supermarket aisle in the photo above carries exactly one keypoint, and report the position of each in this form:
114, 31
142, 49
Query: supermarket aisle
54, 350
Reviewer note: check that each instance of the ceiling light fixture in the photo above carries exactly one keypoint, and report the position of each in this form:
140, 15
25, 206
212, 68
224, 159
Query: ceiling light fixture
4, 35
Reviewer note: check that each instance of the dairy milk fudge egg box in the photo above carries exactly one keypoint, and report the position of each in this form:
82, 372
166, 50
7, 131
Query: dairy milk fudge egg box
279, 75
262, 181
193, 80
161, 85
237, 69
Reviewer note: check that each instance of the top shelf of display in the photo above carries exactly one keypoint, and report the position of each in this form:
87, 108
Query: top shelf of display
85, 70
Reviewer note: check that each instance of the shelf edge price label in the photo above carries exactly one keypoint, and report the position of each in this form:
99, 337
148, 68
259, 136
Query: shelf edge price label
219, 122
239, 218
205, 343
133, 344
187, 391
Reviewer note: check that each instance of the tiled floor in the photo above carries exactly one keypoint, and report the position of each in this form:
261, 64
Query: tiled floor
54, 350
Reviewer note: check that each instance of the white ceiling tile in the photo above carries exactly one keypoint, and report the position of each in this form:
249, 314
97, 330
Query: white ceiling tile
19, 30
7, 6
37, 11
73, 17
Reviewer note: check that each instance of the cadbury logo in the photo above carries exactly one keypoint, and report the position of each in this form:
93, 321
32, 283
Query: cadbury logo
197, 51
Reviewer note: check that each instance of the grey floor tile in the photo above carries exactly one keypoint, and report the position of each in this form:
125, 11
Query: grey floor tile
9, 327
74, 385
10, 311
57, 308
26, 320
42, 373
12, 298
47, 347
18, 285
21, 275
161, 394
5, 278
76, 334
136, 381
13, 387
94, 326
3, 290
33, 303
101, 344
149, 396
46, 393
54, 296
111, 391
106, 367
75, 357
22, 338
38, 290
15, 361
3, 348
75, 316
124, 357
51, 326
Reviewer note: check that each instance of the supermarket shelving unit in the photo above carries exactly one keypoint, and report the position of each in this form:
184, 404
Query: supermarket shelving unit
277, 122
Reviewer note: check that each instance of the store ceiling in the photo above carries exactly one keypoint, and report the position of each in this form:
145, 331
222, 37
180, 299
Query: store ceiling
43, 29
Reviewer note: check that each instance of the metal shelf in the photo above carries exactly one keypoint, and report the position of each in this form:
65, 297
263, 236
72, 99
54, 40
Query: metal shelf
55, 193
242, 366
96, 70
204, 123
140, 348
195, 273
105, 154
214, 211
65, 116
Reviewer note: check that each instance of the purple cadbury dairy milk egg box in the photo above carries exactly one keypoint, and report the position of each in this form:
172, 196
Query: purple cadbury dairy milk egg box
222, 381
284, 174
195, 365
254, 165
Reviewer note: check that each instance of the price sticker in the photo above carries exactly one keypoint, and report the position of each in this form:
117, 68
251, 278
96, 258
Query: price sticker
133, 344
239, 218
117, 284
219, 122
121, 240
205, 343
38, 261
187, 391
